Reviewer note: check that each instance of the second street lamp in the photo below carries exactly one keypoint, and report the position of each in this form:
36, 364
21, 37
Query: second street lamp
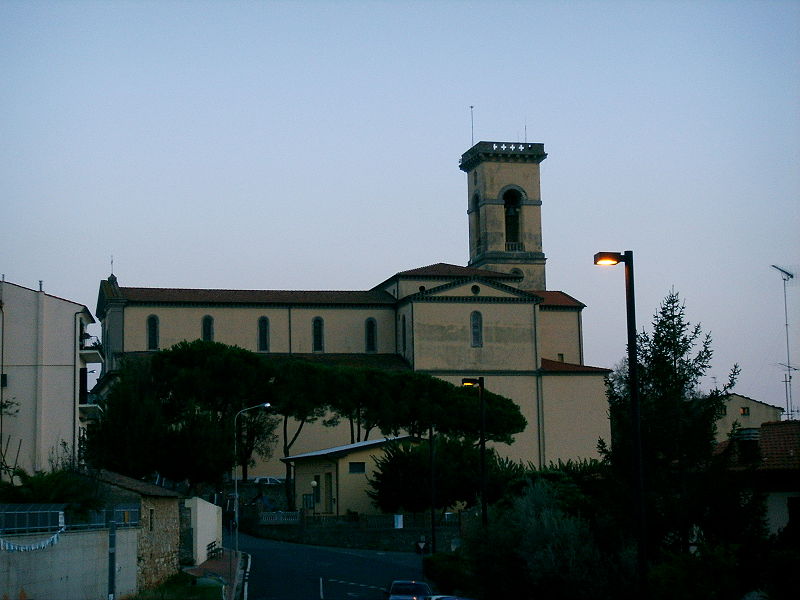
235, 466
614, 258
478, 382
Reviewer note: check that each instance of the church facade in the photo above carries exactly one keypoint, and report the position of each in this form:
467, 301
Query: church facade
493, 318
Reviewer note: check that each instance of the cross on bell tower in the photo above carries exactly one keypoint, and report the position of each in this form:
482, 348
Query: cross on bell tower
505, 221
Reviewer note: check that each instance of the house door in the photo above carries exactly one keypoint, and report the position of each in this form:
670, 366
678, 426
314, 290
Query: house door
328, 492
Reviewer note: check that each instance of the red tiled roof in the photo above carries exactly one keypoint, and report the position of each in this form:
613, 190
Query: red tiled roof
556, 366
558, 299
210, 296
779, 442
448, 270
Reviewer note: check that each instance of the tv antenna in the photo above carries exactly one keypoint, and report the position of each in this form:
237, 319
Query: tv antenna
787, 378
472, 122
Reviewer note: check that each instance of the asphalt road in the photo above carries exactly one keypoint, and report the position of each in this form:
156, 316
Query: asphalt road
283, 571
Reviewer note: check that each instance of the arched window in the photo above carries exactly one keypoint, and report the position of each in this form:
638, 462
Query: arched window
208, 329
476, 324
263, 334
152, 332
371, 335
318, 334
512, 202
403, 333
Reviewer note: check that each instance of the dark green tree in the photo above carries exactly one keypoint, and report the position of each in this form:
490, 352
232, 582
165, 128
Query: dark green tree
173, 414
402, 481
684, 478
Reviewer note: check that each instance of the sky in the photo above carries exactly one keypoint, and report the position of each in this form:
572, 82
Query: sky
315, 145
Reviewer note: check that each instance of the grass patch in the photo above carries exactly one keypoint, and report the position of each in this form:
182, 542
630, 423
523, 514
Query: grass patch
181, 586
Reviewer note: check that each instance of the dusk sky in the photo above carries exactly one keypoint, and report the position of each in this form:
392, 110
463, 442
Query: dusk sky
315, 145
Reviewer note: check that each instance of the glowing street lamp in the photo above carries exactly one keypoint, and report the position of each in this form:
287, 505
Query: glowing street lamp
614, 258
478, 382
235, 468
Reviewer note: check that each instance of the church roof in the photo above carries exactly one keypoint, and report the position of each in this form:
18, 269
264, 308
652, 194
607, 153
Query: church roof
216, 296
556, 366
555, 299
448, 270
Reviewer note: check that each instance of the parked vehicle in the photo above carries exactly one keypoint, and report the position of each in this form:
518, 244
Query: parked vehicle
269, 480
408, 589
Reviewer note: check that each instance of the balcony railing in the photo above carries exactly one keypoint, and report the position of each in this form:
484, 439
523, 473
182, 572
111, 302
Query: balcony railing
515, 247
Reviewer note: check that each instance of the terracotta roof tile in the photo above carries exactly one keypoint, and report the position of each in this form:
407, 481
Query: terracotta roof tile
779, 442
558, 299
448, 270
556, 366
213, 296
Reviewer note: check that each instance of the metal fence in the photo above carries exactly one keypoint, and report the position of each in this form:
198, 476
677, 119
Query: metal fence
33, 518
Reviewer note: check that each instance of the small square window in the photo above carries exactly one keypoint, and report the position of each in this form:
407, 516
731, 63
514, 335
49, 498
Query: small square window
744, 411
358, 467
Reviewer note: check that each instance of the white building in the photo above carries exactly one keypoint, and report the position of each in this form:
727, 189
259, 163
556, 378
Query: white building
44, 353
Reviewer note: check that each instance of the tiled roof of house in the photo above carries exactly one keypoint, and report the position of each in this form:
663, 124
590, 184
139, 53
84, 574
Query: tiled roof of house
134, 485
556, 366
779, 442
344, 450
214, 296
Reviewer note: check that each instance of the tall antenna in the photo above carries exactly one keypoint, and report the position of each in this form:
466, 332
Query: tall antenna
787, 381
472, 123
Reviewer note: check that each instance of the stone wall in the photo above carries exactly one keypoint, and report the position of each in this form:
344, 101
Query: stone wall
159, 541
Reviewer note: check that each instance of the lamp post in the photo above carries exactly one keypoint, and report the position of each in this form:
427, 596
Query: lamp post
235, 479
614, 258
478, 382
314, 485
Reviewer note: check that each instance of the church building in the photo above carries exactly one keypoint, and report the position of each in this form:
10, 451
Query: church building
494, 318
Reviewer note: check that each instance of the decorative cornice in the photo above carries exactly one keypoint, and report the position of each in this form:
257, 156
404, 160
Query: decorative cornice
501, 152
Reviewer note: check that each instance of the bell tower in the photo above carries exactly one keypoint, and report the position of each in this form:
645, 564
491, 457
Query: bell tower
505, 221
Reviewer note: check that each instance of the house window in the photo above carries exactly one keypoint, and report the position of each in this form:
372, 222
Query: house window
560, 357
476, 324
152, 332
358, 467
263, 334
318, 334
208, 328
744, 411
403, 333
371, 335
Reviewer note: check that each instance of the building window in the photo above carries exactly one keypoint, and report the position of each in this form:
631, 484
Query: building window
263, 334
152, 513
152, 332
476, 324
744, 411
208, 328
371, 335
512, 202
403, 335
560, 357
358, 467
318, 334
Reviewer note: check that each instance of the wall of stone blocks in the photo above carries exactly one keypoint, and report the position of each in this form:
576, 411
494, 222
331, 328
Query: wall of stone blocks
75, 568
159, 540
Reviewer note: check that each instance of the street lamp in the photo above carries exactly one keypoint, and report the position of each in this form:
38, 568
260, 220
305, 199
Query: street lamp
614, 258
314, 485
235, 465
478, 382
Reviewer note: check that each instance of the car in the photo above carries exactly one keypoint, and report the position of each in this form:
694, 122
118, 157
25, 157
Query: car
269, 480
408, 589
